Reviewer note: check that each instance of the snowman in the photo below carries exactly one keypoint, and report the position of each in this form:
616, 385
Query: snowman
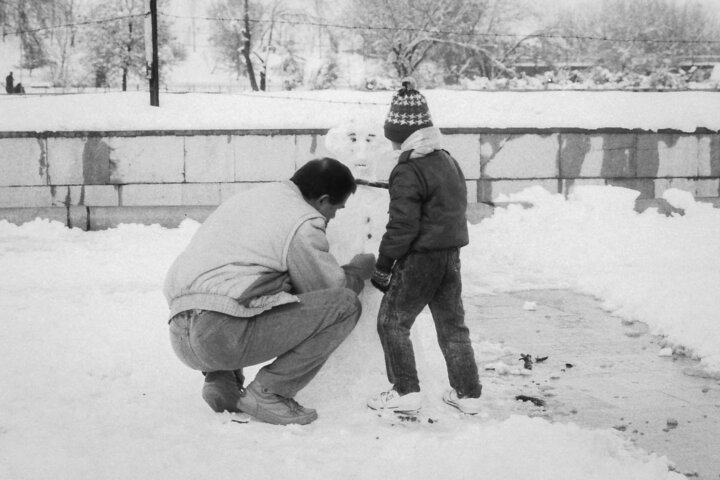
357, 368
358, 228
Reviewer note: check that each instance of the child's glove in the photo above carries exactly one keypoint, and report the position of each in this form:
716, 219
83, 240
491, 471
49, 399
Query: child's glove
381, 279
383, 273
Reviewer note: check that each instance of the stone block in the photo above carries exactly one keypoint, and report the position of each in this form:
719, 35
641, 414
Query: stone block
685, 184
264, 157
25, 197
152, 159
466, 150
62, 195
698, 188
151, 194
22, 215
476, 212
597, 156
200, 194
77, 217
209, 158
65, 160
72, 195
668, 155
100, 195
490, 190
519, 156
708, 187
715, 155
101, 218
568, 184
227, 190
646, 187
309, 147
705, 153
23, 162
79, 161
472, 190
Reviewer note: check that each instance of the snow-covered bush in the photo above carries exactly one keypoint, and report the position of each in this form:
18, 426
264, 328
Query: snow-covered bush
321, 73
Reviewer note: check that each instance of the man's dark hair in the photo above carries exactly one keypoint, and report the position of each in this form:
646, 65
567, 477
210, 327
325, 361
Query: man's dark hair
325, 176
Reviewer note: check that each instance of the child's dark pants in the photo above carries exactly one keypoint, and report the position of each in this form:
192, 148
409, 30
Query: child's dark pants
433, 279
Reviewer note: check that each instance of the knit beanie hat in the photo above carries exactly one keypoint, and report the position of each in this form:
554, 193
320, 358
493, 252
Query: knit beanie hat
408, 112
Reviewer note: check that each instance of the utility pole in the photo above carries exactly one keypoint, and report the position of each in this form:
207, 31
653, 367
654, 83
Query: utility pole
151, 52
246, 49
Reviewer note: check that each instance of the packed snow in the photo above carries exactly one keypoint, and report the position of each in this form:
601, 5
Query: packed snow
682, 111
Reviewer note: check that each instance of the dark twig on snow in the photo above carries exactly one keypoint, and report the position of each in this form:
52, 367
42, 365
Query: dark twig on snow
534, 400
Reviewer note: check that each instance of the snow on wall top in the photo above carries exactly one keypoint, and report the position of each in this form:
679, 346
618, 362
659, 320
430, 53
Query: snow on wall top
682, 111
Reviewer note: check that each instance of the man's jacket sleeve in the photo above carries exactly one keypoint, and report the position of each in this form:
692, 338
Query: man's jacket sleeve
311, 265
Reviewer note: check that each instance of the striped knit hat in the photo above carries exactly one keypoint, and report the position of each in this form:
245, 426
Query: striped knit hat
408, 112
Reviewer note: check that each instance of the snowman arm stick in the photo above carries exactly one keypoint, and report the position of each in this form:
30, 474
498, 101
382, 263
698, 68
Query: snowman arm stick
360, 181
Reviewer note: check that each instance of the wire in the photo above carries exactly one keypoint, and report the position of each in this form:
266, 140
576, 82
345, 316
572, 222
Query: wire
77, 24
449, 32
603, 38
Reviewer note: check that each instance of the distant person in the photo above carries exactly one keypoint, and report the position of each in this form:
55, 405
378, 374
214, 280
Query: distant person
19, 88
419, 260
9, 83
258, 282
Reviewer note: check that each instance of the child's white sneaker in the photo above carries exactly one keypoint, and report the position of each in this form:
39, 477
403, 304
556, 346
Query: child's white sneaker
392, 400
470, 406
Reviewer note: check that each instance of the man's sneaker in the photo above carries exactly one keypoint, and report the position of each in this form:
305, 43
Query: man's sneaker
271, 408
392, 400
221, 390
470, 406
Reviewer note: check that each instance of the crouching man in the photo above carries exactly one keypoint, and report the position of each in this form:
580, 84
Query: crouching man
257, 282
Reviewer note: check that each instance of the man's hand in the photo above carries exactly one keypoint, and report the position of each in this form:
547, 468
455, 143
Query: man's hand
364, 264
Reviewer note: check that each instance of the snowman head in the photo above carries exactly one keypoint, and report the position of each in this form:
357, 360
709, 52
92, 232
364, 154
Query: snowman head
360, 145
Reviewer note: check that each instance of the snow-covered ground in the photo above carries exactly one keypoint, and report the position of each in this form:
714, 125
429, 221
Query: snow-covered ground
683, 111
91, 388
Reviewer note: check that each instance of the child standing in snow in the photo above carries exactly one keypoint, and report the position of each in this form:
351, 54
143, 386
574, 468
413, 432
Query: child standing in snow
419, 260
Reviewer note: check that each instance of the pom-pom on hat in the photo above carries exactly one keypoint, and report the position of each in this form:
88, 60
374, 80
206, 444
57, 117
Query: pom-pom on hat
408, 112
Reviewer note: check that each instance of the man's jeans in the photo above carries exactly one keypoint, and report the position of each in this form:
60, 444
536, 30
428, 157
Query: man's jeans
433, 279
301, 335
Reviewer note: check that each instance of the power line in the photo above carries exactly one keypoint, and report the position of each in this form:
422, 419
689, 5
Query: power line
309, 23
77, 24
448, 32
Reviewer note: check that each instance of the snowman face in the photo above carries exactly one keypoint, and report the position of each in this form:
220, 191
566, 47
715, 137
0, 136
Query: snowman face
359, 146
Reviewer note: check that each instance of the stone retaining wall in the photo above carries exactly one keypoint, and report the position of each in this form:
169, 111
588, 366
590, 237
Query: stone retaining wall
99, 179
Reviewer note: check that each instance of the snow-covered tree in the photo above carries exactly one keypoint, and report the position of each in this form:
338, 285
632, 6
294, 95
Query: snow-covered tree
116, 46
45, 31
